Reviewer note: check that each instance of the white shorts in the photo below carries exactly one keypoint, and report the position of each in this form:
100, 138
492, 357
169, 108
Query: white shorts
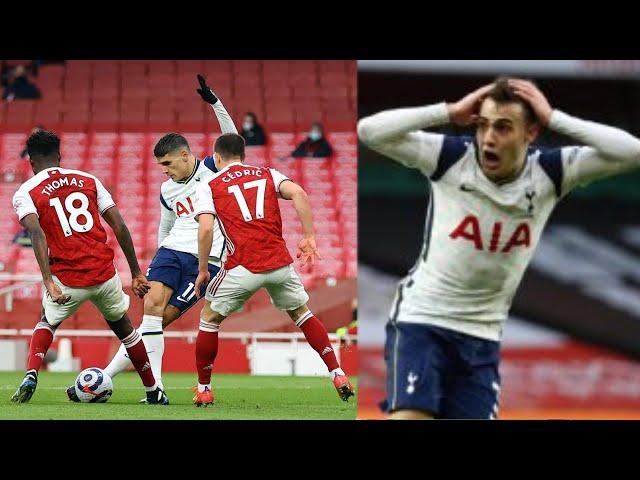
108, 298
230, 289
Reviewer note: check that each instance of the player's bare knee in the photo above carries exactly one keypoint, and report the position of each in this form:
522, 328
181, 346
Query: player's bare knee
411, 415
170, 315
300, 315
122, 327
211, 317
153, 305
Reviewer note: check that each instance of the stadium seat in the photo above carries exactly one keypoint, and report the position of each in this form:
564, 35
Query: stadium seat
133, 113
47, 113
332, 66
159, 68
19, 114
302, 66
246, 68
190, 67
133, 69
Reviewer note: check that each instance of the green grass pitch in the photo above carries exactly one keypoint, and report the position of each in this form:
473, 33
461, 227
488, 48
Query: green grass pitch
236, 397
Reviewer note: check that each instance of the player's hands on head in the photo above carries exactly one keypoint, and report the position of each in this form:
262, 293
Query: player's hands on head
465, 111
55, 293
202, 280
205, 92
140, 285
307, 251
534, 97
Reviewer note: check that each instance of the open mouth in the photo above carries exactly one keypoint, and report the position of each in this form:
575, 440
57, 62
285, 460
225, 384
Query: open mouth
490, 160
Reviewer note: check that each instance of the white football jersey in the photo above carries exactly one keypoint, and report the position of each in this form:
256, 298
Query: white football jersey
178, 228
178, 200
480, 236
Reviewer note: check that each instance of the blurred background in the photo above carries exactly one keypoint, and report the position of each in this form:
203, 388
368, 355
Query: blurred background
296, 116
571, 346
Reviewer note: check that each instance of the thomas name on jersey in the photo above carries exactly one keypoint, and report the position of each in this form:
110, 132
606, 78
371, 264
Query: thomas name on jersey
61, 182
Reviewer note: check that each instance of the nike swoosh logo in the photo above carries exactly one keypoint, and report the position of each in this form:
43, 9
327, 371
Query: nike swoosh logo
197, 179
466, 188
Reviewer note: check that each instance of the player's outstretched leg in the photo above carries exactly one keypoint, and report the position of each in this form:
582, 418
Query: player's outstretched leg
206, 351
132, 341
317, 337
158, 314
40, 342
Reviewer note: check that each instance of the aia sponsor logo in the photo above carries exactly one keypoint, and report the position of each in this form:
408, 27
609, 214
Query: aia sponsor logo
469, 230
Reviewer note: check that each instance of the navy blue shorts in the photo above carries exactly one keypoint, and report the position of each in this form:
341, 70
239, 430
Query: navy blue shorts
178, 270
446, 373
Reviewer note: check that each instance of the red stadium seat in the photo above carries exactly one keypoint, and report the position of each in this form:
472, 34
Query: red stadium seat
331, 80
105, 68
303, 80
277, 90
246, 68
133, 114
133, 68
19, 114
47, 113
302, 66
306, 92
332, 66
160, 68
190, 67
275, 66
216, 79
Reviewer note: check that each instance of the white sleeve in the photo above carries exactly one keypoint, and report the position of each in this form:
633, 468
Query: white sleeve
204, 200
396, 134
167, 219
23, 204
105, 201
609, 150
225, 120
278, 178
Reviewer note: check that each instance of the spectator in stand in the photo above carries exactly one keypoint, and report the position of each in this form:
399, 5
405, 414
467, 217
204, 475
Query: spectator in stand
19, 86
252, 131
315, 145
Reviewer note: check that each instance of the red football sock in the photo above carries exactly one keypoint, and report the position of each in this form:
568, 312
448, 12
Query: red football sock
138, 356
206, 351
40, 342
316, 335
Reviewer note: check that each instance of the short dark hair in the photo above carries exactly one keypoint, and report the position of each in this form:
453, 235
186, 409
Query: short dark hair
502, 93
170, 143
43, 143
230, 145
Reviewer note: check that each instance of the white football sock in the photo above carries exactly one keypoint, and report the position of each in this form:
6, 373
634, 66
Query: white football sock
202, 387
335, 373
119, 362
153, 338
151, 389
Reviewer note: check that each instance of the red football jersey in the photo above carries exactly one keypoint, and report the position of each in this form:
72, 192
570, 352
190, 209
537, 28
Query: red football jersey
69, 204
245, 200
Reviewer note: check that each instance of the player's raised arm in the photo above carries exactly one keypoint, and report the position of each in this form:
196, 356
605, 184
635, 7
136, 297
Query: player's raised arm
397, 133
608, 150
225, 120
139, 284
307, 250
41, 250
